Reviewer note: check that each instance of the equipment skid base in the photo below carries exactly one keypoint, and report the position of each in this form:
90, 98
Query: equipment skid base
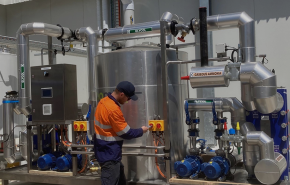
21, 174
240, 178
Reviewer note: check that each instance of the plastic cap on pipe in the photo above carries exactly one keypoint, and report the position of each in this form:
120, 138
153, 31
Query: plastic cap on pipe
238, 126
225, 126
185, 78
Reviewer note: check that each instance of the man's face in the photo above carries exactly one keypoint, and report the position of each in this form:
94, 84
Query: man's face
123, 98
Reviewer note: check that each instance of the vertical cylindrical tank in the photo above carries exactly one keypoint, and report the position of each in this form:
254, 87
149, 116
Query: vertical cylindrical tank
141, 65
8, 125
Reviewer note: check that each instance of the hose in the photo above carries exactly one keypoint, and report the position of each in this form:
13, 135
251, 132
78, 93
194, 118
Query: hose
66, 137
86, 162
156, 161
61, 136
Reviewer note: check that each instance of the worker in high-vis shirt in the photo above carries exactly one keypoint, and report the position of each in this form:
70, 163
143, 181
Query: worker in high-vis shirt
111, 129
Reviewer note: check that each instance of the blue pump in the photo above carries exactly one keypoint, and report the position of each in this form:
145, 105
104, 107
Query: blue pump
64, 163
46, 162
189, 167
217, 167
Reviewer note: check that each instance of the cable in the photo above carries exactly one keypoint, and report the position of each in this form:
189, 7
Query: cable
86, 162
156, 162
232, 55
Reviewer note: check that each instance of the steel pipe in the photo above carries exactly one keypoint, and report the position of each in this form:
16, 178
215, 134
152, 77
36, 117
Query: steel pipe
246, 27
87, 34
259, 88
265, 143
135, 31
23, 62
164, 107
197, 60
251, 153
232, 105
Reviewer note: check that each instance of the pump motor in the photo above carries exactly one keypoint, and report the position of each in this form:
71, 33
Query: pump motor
189, 167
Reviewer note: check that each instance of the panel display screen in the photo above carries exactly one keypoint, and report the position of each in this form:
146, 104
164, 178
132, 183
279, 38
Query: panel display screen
46, 92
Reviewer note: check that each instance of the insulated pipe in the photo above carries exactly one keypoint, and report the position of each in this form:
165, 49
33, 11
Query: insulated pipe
246, 27
23, 62
87, 34
232, 105
265, 143
260, 84
136, 31
251, 153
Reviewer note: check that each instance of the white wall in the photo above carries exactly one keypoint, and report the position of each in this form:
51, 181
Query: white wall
272, 30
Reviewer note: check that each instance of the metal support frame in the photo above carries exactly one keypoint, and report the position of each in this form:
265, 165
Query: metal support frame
165, 113
74, 156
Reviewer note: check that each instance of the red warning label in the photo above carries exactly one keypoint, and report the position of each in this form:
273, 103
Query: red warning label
219, 73
279, 158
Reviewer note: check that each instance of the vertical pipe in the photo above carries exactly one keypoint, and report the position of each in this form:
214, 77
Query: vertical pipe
29, 147
23, 65
74, 156
53, 140
203, 36
50, 52
39, 140
165, 112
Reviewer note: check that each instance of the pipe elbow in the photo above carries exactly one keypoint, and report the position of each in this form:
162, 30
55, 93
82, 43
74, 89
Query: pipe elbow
263, 86
245, 19
85, 34
265, 143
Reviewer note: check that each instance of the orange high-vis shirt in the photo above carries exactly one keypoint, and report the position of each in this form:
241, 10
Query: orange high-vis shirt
111, 128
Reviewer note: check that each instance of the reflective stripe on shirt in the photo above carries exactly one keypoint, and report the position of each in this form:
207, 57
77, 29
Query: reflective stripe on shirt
102, 126
124, 131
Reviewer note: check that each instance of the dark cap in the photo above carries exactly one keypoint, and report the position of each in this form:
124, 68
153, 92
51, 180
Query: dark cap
128, 89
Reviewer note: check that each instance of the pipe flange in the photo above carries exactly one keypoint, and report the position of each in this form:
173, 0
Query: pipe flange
174, 32
194, 25
62, 32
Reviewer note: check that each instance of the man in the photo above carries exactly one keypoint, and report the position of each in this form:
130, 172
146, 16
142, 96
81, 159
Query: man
111, 128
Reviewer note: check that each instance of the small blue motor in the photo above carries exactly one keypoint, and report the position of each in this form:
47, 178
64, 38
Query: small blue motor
217, 168
46, 162
189, 167
64, 163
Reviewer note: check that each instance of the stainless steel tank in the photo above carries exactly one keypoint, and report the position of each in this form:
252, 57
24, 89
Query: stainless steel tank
139, 65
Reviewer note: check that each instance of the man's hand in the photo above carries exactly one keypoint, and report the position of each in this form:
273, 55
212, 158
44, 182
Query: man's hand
145, 129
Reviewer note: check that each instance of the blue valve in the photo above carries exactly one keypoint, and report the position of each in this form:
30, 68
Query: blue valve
232, 131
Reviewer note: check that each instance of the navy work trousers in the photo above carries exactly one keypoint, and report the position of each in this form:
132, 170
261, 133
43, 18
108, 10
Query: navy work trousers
112, 173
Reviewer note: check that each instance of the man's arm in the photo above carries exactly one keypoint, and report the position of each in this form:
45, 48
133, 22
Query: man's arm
122, 129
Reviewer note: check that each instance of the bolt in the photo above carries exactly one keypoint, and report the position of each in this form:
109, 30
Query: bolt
284, 151
283, 125
286, 178
283, 113
284, 138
